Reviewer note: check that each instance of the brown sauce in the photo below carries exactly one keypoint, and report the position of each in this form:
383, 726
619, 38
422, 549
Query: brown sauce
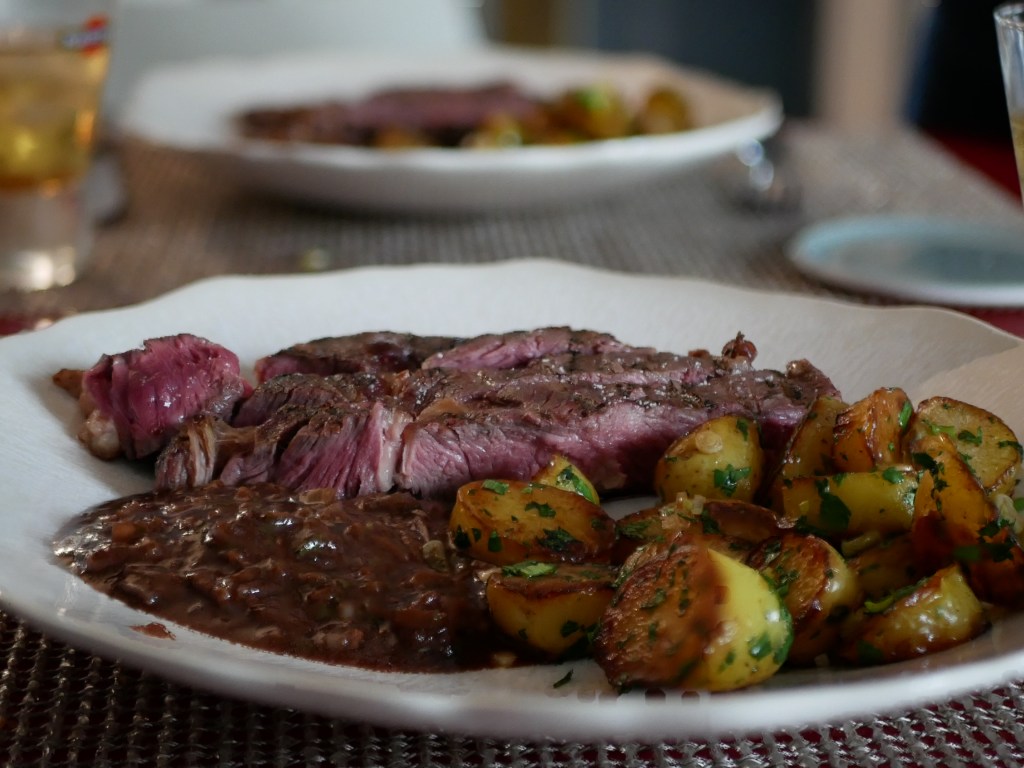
369, 582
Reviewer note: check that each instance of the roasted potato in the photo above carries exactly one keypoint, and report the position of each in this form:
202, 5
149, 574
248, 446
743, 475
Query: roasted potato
732, 527
720, 459
562, 473
886, 567
665, 110
509, 521
685, 616
869, 433
809, 451
596, 112
550, 607
850, 504
956, 521
936, 613
987, 444
817, 587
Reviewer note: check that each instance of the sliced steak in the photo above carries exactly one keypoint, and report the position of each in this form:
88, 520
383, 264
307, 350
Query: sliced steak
426, 388
380, 352
614, 434
353, 450
136, 401
440, 116
430, 430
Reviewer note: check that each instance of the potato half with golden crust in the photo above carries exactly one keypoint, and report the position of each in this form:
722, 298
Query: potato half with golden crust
987, 444
685, 616
886, 567
816, 585
719, 459
732, 527
850, 504
550, 607
956, 521
809, 451
938, 612
508, 521
869, 433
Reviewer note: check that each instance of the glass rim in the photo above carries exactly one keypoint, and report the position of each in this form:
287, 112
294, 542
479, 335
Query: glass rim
1010, 15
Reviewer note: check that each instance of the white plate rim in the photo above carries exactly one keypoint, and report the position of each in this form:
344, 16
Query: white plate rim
739, 114
579, 711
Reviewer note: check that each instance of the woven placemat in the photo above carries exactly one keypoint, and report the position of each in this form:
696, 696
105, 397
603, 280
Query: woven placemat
64, 707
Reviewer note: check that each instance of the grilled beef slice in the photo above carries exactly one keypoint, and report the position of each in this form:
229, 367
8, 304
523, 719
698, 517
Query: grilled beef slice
135, 401
388, 352
442, 116
610, 408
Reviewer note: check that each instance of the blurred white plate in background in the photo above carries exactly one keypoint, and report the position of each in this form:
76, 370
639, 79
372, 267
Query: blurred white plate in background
191, 107
917, 258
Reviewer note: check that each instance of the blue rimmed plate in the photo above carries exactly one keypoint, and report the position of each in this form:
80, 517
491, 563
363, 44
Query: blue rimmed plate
929, 259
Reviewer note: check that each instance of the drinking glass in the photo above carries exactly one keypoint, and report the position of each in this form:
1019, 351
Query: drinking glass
1009, 19
53, 64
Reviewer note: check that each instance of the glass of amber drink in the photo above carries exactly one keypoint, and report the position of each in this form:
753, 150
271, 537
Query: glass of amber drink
1009, 19
53, 64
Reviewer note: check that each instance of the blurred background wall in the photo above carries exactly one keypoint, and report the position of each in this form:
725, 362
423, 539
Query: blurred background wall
848, 62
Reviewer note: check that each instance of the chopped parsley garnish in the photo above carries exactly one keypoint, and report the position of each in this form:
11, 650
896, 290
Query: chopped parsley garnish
835, 515
892, 475
966, 436
563, 680
884, 603
494, 542
728, 479
557, 540
530, 569
544, 510
569, 627
568, 477
868, 653
499, 487
905, 413
759, 647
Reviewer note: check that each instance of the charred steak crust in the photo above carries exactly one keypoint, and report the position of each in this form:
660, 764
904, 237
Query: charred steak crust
372, 352
426, 414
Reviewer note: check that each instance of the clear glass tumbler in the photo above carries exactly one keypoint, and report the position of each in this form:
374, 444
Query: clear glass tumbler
54, 56
1009, 19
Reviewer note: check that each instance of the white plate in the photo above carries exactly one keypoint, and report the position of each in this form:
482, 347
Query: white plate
964, 263
48, 478
437, 180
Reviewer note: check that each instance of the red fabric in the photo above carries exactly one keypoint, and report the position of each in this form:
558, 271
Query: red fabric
1009, 320
992, 157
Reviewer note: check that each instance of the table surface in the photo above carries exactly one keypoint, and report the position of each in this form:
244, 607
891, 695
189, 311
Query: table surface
63, 706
